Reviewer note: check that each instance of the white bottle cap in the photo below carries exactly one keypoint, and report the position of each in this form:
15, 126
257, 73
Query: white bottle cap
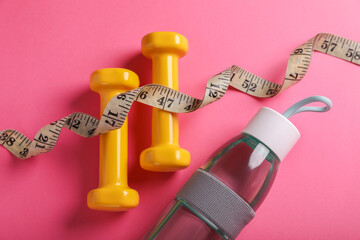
274, 130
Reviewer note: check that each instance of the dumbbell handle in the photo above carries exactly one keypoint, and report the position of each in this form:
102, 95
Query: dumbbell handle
165, 72
113, 149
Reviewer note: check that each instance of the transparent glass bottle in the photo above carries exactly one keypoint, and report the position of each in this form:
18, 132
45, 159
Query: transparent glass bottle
244, 164
222, 196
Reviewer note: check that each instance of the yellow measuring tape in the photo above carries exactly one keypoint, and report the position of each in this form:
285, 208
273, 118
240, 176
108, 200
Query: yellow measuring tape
171, 100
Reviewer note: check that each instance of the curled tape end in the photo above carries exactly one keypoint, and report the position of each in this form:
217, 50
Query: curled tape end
300, 106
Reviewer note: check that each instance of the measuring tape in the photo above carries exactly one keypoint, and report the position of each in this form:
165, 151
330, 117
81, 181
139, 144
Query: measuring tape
171, 100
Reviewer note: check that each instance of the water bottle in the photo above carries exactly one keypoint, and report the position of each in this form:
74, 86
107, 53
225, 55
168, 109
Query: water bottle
221, 197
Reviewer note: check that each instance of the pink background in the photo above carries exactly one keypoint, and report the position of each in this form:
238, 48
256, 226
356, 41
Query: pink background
48, 50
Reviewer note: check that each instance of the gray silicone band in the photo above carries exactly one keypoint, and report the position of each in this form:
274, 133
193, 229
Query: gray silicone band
217, 202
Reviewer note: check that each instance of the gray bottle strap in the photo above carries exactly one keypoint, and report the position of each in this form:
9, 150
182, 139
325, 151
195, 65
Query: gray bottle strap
299, 106
217, 202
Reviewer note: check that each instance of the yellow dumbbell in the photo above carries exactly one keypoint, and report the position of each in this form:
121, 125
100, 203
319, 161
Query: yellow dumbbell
113, 193
165, 154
